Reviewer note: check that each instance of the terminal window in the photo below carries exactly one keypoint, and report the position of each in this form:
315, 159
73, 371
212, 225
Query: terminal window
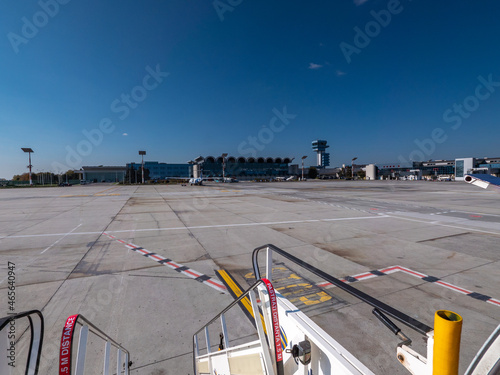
459, 168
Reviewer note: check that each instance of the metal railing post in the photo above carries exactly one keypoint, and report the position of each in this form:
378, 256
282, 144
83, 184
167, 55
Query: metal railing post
207, 339
82, 350
107, 349
224, 331
126, 363
36, 324
196, 345
269, 264
262, 336
119, 362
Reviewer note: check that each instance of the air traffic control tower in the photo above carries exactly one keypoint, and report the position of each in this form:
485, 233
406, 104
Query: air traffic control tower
320, 146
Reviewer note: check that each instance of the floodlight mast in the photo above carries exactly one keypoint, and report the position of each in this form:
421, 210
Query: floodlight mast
303, 157
223, 156
142, 153
29, 151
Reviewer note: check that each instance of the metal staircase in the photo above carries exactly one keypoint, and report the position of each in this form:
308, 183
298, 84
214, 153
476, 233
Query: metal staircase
284, 339
290, 343
108, 345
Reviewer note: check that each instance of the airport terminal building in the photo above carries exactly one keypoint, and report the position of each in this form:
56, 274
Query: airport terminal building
244, 168
237, 167
162, 171
265, 168
102, 173
452, 169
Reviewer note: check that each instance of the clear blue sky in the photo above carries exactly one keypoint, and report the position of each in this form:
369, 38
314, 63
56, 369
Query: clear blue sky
231, 68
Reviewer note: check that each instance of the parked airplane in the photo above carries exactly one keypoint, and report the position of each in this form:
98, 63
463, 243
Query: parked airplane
484, 181
196, 181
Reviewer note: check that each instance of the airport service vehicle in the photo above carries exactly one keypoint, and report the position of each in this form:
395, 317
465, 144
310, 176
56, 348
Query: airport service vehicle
286, 340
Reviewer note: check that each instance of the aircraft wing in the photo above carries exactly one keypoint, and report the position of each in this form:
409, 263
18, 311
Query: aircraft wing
484, 181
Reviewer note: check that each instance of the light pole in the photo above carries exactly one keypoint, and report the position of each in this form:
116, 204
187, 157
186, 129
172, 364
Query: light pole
223, 156
142, 153
303, 157
29, 151
352, 167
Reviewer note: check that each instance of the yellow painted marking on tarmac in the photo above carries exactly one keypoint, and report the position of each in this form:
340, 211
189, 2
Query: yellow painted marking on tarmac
308, 300
238, 292
296, 288
99, 193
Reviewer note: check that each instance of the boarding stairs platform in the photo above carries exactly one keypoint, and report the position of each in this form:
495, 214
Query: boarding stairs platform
290, 343
284, 341
24, 332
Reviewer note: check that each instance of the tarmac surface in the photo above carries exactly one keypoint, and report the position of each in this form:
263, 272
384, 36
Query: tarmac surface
140, 262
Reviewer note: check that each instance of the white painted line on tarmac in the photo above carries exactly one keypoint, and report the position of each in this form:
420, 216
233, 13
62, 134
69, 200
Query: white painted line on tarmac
443, 225
198, 276
60, 239
50, 235
206, 226
422, 276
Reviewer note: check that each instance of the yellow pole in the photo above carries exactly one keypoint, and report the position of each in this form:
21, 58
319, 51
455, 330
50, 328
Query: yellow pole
447, 332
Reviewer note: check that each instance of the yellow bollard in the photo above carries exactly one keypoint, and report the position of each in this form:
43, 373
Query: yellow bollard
447, 332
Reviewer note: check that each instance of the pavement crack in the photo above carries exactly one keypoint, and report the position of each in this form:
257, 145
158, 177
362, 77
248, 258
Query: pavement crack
190, 233
81, 259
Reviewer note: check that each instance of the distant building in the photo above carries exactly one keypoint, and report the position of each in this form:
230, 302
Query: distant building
433, 168
466, 166
294, 170
162, 171
442, 169
371, 172
327, 173
244, 168
102, 173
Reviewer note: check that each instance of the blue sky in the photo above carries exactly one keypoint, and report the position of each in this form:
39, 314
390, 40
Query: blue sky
385, 81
